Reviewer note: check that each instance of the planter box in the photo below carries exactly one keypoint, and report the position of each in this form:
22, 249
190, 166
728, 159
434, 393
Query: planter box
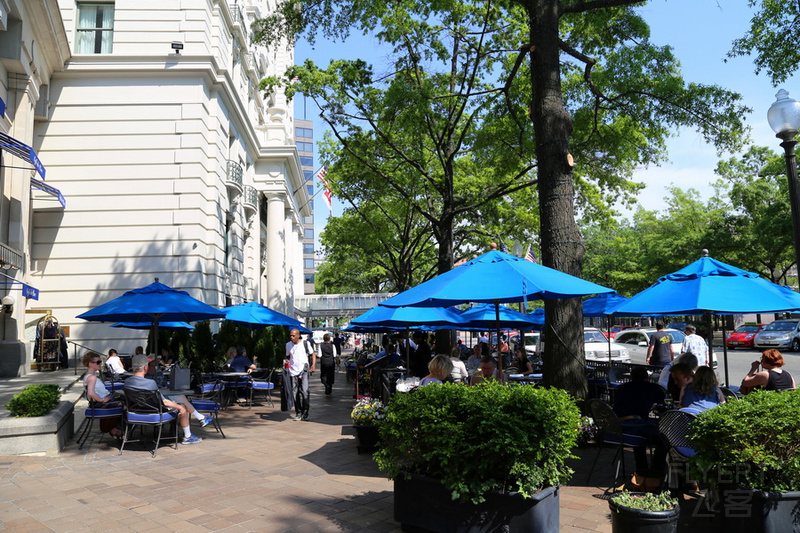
46, 434
368, 438
628, 520
749, 511
424, 504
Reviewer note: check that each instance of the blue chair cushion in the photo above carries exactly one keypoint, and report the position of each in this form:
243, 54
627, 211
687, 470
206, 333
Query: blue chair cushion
103, 413
263, 385
151, 418
206, 405
685, 451
116, 385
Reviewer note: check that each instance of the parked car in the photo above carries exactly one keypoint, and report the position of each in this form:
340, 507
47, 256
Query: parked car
531, 341
743, 336
637, 341
596, 347
680, 326
779, 334
616, 329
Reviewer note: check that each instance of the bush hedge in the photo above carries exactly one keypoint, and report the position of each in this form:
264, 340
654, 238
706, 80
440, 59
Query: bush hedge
753, 442
479, 439
35, 400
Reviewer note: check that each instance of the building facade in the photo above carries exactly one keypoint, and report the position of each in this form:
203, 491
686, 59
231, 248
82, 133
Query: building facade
172, 162
304, 140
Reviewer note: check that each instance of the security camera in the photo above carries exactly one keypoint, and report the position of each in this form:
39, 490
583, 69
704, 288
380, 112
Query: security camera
8, 304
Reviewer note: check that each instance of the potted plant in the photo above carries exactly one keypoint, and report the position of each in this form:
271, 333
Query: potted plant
586, 432
644, 512
367, 416
748, 454
478, 458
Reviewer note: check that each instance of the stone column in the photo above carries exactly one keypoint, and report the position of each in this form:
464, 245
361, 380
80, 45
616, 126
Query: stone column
288, 229
276, 253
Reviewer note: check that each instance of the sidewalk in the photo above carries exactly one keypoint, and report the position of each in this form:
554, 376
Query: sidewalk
271, 474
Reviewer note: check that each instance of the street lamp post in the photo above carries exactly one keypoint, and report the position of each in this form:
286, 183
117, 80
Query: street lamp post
784, 119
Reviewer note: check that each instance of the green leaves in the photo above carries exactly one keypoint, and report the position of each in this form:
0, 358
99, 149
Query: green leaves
35, 400
479, 439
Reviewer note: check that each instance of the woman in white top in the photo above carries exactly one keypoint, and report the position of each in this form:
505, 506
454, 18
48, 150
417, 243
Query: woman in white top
96, 391
459, 373
114, 363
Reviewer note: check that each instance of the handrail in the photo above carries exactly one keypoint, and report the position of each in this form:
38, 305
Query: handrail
75, 359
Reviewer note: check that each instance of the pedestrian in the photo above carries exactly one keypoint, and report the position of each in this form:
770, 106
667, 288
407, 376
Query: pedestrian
659, 352
696, 345
327, 355
302, 361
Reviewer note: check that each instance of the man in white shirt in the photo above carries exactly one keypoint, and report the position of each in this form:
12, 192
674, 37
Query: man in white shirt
695, 345
302, 362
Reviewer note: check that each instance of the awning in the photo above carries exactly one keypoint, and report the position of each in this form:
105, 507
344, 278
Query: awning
21, 150
49, 190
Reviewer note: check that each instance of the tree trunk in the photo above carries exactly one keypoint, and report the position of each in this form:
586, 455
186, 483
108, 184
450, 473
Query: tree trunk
562, 243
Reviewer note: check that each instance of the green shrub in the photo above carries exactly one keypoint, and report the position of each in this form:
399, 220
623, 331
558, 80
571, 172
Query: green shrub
753, 442
646, 501
35, 400
480, 439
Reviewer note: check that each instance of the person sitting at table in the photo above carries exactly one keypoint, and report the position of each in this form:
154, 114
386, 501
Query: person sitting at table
390, 351
96, 391
680, 375
633, 402
166, 359
114, 363
179, 402
771, 376
703, 392
439, 369
241, 363
474, 360
522, 362
459, 373
488, 369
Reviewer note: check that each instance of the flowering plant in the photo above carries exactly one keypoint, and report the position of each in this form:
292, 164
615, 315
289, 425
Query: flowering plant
368, 411
587, 430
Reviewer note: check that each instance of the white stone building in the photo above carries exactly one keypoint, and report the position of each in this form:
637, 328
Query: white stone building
172, 164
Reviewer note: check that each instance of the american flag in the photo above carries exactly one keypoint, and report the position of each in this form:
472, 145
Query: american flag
529, 256
327, 193
296, 79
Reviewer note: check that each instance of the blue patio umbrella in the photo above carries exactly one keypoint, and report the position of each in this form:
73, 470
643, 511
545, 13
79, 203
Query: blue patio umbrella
148, 325
711, 286
153, 303
604, 305
494, 277
258, 316
484, 316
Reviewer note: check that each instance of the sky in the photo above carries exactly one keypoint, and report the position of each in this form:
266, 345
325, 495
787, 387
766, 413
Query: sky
700, 31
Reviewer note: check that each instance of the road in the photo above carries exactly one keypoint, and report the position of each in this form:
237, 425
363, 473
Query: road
739, 361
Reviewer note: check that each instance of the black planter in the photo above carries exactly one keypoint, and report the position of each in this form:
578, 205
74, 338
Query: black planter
368, 438
423, 504
627, 520
754, 511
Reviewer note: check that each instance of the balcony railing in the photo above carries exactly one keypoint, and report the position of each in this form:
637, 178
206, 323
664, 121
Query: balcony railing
250, 200
11, 258
234, 178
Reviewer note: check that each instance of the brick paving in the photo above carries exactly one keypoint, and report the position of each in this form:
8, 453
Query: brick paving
270, 474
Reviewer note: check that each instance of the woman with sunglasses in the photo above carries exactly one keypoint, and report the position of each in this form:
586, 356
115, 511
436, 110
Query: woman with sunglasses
99, 395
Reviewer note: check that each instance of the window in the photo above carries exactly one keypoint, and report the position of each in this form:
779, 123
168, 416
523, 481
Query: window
308, 248
308, 263
95, 28
309, 174
307, 161
309, 279
305, 147
308, 233
305, 132
310, 189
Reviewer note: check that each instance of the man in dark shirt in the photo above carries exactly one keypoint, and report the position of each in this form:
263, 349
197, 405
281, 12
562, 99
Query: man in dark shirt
659, 353
632, 404
421, 356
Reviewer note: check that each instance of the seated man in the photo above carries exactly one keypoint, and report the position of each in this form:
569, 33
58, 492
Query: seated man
680, 375
241, 363
488, 370
632, 404
179, 402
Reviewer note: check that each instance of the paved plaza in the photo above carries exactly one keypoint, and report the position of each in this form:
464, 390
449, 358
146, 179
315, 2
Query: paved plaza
270, 474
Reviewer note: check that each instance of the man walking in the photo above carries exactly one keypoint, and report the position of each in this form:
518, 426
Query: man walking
696, 345
298, 353
659, 353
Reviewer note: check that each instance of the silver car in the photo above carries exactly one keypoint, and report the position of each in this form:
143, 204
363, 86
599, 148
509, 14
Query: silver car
638, 340
596, 347
779, 334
